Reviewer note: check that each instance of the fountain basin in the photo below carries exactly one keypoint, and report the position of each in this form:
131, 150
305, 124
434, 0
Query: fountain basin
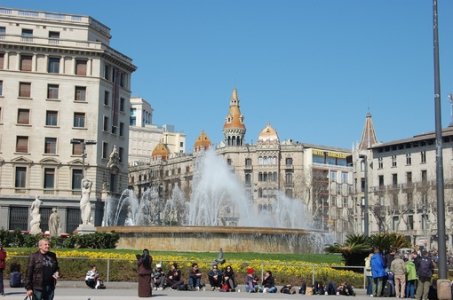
211, 238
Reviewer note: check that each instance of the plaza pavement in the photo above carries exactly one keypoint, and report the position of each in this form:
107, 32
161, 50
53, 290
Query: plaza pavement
72, 290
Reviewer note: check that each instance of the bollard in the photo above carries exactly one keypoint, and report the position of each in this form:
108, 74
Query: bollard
443, 289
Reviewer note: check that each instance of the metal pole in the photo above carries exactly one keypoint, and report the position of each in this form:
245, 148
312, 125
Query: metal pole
439, 158
365, 214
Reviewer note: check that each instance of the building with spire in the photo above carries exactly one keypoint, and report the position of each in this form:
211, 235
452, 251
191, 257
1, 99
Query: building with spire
316, 175
402, 185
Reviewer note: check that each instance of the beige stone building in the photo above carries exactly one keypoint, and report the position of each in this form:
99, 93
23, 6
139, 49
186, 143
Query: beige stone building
402, 185
316, 175
64, 105
144, 136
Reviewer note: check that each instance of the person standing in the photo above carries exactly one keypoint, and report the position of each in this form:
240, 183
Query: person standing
378, 272
411, 276
369, 276
42, 273
398, 267
145, 270
424, 266
2, 267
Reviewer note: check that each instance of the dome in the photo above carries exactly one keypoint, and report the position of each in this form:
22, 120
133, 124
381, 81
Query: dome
160, 151
202, 143
268, 134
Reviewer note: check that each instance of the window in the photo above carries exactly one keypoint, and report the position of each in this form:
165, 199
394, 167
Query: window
23, 116
424, 176
121, 128
133, 117
49, 178
122, 79
410, 200
77, 175
52, 91
24, 89
344, 177
21, 177
2, 32
394, 161
54, 65
381, 180
380, 163
248, 162
423, 157
50, 145
396, 222
1, 87
2, 59
54, 36
105, 147
333, 176
106, 98
395, 180
77, 149
107, 72
81, 67
27, 35
425, 222
122, 103
289, 178
26, 62
410, 222
409, 177
106, 123
289, 161
121, 153
51, 118
18, 218
79, 120
408, 159
80, 93
22, 144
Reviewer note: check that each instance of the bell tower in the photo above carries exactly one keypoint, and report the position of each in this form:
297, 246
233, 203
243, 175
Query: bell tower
234, 128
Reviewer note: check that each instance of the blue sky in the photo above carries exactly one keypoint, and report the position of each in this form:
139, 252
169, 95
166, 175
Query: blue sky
310, 68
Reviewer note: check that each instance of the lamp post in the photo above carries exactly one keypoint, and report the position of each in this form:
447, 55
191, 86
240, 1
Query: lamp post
84, 152
365, 204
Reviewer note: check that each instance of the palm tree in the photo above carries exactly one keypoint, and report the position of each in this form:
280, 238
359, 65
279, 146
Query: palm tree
354, 250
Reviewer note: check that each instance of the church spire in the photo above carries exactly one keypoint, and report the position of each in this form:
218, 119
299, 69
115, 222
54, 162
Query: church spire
368, 135
234, 128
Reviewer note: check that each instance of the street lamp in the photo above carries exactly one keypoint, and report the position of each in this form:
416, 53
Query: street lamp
365, 204
84, 153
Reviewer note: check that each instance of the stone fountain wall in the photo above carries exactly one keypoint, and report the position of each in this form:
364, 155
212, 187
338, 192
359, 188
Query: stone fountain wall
210, 239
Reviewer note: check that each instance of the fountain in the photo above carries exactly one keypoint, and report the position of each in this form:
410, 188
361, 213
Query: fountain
219, 212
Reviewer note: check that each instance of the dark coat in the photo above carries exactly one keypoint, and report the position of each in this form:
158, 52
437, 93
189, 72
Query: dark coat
34, 278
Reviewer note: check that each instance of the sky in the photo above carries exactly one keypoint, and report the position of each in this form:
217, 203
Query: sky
312, 69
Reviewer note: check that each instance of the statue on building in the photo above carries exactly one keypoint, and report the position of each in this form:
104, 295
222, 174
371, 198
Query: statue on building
85, 205
54, 222
114, 158
35, 223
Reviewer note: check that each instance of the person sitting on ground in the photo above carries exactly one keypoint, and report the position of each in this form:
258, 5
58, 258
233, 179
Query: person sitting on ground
195, 278
331, 288
345, 289
288, 289
92, 278
228, 279
318, 288
303, 287
251, 281
268, 283
215, 277
174, 277
158, 278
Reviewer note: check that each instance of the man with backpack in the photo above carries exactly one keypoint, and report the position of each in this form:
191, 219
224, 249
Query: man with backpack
424, 266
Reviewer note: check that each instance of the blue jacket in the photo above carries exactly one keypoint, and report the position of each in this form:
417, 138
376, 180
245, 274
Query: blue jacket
377, 265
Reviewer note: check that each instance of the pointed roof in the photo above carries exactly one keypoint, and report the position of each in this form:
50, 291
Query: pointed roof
368, 135
202, 143
234, 118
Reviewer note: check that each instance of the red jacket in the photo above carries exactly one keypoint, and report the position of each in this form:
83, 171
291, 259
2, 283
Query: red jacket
2, 259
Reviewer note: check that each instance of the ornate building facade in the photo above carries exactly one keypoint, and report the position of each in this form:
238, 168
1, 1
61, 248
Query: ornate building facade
64, 115
316, 175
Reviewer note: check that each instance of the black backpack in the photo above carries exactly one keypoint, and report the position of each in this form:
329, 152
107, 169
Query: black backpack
425, 267
387, 291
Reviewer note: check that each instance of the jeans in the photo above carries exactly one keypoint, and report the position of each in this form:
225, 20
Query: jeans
377, 286
410, 289
194, 281
2, 289
46, 293
369, 285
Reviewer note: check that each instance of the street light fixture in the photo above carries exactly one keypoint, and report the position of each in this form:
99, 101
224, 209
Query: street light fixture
84, 153
365, 204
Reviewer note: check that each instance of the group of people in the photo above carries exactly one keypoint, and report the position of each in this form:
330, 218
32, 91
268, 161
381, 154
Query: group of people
399, 275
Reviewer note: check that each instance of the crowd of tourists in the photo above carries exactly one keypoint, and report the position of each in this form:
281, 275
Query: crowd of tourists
401, 275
